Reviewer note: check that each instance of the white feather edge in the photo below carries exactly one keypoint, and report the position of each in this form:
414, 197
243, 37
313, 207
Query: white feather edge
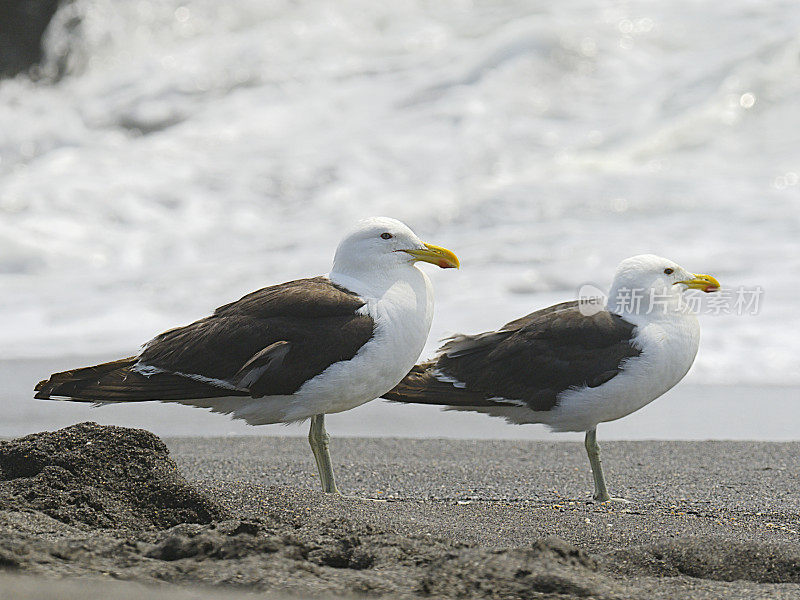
150, 370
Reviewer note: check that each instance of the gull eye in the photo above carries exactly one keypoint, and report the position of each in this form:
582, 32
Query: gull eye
386, 236
669, 271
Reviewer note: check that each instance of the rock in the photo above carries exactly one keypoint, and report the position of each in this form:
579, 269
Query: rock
22, 25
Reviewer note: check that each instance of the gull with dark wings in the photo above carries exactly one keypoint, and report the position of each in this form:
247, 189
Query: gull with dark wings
572, 366
292, 351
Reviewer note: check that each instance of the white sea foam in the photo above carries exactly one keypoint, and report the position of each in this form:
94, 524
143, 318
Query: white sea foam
199, 150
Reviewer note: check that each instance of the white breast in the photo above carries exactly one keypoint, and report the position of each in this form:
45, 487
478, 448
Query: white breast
402, 313
668, 351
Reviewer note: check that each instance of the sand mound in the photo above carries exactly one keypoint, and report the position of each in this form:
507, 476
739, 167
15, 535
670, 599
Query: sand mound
91, 501
715, 559
100, 477
550, 566
337, 555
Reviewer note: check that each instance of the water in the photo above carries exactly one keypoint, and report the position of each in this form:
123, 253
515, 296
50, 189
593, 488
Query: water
196, 151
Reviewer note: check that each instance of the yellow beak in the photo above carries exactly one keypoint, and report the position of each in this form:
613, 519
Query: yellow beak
436, 255
701, 282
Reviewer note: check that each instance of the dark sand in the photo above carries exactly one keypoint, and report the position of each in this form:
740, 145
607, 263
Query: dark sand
460, 519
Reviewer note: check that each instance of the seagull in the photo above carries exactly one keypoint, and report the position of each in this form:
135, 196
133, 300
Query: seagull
576, 364
292, 351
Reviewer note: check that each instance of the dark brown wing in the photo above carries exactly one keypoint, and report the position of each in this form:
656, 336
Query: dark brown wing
531, 360
116, 382
269, 342
422, 386
537, 314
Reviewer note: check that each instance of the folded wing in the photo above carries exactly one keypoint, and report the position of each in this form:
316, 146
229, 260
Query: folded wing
269, 342
528, 362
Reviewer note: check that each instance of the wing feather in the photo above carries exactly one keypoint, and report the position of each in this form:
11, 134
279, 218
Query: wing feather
269, 342
117, 381
532, 360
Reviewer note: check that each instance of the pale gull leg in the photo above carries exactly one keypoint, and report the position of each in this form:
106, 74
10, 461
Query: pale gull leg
593, 451
319, 439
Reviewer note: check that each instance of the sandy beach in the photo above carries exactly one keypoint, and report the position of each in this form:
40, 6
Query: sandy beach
161, 159
428, 518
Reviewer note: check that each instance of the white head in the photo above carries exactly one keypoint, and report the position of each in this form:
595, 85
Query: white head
381, 247
650, 284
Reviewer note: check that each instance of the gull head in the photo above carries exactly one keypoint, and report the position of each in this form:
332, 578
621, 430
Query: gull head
645, 282
382, 245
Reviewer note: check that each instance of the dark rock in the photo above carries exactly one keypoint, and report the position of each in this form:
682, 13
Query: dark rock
101, 477
22, 25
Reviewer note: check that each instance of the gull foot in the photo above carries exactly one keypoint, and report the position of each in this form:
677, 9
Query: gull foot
608, 499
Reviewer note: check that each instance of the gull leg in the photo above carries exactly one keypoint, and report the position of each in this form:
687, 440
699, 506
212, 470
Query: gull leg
593, 451
319, 439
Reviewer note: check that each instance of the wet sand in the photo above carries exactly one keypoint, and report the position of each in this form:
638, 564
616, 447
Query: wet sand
460, 519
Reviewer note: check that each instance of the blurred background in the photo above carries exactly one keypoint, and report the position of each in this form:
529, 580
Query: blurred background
160, 158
